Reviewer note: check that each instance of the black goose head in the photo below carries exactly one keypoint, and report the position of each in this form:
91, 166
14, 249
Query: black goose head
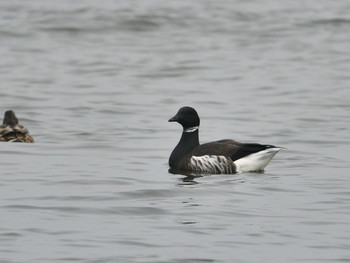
10, 118
187, 117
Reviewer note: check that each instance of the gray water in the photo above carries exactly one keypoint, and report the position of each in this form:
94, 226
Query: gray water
95, 83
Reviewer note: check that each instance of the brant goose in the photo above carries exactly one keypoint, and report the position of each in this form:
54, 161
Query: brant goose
219, 157
11, 131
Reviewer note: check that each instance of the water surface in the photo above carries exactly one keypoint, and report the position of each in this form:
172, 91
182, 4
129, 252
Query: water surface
95, 83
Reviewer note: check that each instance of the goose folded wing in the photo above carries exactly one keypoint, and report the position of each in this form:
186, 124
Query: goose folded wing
229, 148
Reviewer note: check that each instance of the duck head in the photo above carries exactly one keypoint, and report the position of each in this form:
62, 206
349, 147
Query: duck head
10, 118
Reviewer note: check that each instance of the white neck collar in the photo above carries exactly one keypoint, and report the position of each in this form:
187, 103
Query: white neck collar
192, 129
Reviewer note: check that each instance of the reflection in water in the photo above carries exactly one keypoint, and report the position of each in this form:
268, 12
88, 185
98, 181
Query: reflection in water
189, 176
189, 180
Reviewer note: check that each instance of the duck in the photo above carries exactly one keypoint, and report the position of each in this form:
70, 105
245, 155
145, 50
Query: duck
11, 131
219, 157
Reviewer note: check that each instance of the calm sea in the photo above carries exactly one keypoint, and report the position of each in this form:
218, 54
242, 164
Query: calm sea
95, 83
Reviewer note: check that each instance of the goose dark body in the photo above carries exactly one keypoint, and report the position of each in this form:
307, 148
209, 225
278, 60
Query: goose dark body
229, 148
220, 156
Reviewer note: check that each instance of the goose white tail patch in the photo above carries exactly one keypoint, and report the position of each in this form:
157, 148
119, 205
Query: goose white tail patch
212, 164
256, 161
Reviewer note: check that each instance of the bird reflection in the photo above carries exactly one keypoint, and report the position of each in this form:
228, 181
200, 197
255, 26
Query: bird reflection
189, 176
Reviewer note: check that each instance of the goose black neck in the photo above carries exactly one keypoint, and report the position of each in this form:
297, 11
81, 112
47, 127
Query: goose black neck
188, 141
